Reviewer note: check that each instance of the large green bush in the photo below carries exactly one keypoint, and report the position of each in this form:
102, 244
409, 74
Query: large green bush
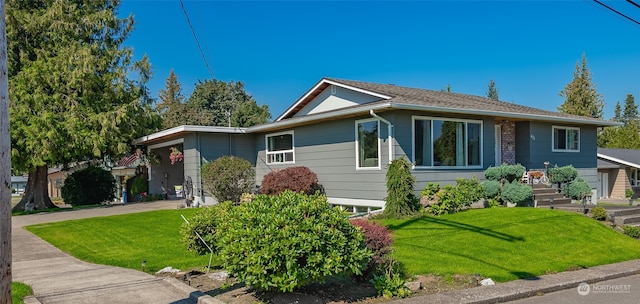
88, 186
287, 241
207, 222
228, 177
491, 188
452, 199
560, 175
505, 173
516, 192
401, 200
139, 185
577, 190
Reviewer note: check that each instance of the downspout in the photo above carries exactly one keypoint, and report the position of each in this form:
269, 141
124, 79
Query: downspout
201, 185
389, 130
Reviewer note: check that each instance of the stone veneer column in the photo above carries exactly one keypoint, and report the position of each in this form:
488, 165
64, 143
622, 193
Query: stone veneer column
508, 129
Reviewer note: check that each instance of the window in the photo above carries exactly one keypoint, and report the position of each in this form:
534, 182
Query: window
280, 148
566, 139
447, 142
368, 144
633, 177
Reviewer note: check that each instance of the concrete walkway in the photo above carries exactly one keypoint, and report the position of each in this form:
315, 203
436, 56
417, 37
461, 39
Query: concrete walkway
57, 277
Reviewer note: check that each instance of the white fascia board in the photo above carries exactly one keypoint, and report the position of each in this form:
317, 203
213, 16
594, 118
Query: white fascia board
617, 160
341, 201
504, 114
326, 81
188, 128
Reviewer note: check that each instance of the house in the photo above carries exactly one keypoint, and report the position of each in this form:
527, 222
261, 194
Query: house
18, 183
347, 132
617, 172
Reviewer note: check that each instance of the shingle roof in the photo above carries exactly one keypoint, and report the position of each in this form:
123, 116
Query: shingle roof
628, 157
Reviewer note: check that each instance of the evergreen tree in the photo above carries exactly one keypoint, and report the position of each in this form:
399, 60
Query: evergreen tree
171, 105
617, 112
76, 93
492, 91
630, 109
581, 97
623, 137
225, 104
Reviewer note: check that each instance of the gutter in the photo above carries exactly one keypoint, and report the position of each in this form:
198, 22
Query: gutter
389, 130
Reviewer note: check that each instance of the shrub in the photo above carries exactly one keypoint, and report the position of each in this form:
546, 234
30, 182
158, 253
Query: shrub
378, 240
560, 175
454, 198
430, 190
516, 192
632, 231
599, 213
296, 179
504, 173
139, 185
228, 177
490, 188
390, 285
152, 197
628, 193
401, 200
207, 222
88, 186
577, 189
284, 242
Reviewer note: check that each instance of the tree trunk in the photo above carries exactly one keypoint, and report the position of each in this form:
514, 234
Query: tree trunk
5, 169
36, 195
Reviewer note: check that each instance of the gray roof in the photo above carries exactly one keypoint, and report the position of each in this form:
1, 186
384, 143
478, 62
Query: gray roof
627, 157
400, 97
605, 164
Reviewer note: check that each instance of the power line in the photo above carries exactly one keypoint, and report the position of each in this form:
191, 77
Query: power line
617, 12
204, 58
634, 4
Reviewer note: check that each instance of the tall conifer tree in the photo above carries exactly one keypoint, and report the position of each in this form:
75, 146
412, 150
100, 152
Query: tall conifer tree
581, 96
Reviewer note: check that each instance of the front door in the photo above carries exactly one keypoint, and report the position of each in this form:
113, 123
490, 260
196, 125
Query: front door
603, 184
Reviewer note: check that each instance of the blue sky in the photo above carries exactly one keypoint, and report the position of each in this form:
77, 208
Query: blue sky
281, 49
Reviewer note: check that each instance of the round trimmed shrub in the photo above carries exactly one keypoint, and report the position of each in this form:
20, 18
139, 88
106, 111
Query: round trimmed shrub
228, 177
562, 174
296, 179
286, 241
599, 213
516, 192
577, 189
491, 188
505, 173
88, 186
207, 222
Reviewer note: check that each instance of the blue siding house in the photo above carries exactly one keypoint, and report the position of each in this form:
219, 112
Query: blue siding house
347, 132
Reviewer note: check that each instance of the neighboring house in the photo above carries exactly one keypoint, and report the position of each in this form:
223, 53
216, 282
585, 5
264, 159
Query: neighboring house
19, 183
618, 171
347, 132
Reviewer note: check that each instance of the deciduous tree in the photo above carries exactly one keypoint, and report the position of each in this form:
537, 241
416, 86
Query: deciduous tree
76, 93
581, 96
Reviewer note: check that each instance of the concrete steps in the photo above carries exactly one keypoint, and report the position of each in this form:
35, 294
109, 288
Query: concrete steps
548, 196
627, 216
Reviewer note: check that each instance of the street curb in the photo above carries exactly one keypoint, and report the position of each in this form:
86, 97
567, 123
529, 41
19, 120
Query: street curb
520, 289
31, 300
197, 296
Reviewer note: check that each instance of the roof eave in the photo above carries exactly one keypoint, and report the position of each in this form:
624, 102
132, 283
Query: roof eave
617, 160
185, 129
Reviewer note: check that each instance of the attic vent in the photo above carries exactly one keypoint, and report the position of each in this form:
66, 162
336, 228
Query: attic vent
333, 90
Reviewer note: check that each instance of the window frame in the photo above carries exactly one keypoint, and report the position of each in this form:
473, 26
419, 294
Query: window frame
466, 141
553, 139
357, 144
283, 152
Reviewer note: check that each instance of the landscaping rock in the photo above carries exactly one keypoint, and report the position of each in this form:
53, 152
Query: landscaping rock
487, 282
168, 269
413, 286
219, 276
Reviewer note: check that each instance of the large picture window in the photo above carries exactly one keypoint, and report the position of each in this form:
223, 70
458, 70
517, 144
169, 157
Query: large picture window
566, 139
368, 144
280, 148
447, 142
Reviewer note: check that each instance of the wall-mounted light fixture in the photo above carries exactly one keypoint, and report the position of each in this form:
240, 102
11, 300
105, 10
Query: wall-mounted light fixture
509, 146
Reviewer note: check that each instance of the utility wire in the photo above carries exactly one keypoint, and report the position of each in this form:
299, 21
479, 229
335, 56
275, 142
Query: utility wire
204, 58
617, 12
634, 4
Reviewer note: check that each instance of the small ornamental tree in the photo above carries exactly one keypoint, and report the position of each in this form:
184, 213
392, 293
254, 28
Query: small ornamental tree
576, 190
561, 175
88, 186
296, 179
286, 241
228, 177
516, 192
504, 173
401, 200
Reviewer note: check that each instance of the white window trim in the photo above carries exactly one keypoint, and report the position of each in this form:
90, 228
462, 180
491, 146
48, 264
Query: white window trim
358, 146
293, 148
553, 139
431, 118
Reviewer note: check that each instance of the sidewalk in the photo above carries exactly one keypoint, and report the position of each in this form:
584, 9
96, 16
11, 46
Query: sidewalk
57, 277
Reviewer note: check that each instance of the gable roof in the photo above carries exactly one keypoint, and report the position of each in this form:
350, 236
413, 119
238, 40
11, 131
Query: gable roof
627, 157
399, 97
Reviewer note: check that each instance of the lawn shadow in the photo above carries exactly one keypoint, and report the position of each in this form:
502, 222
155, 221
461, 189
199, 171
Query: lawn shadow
462, 226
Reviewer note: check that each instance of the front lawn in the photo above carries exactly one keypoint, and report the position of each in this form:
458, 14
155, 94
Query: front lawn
19, 291
507, 243
125, 240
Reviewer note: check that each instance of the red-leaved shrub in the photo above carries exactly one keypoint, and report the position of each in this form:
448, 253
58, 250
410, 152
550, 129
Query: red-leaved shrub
378, 240
296, 179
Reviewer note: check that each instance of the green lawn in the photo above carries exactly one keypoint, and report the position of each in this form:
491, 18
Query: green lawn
507, 243
125, 240
19, 291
